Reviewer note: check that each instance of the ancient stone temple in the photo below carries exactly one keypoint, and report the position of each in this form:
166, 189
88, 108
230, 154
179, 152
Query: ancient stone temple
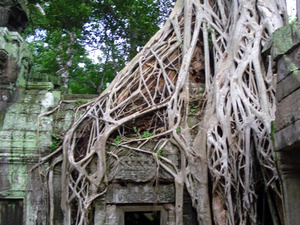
137, 193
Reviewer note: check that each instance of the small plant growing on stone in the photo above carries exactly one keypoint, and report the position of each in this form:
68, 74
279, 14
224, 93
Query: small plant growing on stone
80, 101
159, 153
56, 141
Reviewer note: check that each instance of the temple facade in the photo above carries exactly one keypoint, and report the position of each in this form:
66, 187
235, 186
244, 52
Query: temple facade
26, 136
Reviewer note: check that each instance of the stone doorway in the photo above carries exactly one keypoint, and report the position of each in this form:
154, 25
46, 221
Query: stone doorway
140, 214
11, 211
142, 218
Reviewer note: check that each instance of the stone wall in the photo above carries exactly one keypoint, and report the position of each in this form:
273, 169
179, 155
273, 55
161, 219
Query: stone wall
24, 138
285, 49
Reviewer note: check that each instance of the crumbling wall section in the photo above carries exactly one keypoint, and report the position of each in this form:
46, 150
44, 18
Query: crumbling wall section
285, 49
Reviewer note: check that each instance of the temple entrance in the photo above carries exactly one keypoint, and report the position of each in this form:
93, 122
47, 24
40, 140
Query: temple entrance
142, 218
11, 211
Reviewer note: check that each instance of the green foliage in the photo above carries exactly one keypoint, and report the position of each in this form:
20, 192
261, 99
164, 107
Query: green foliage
178, 130
159, 153
210, 33
117, 140
134, 129
59, 39
56, 141
80, 101
147, 134
272, 130
193, 109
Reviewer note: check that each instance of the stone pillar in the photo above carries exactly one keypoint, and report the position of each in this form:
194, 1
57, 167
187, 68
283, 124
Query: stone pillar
284, 46
111, 215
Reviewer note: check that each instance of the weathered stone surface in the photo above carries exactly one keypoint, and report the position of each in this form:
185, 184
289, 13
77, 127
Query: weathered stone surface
40, 85
78, 96
290, 166
283, 40
141, 167
288, 64
290, 84
289, 137
13, 15
15, 64
140, 193
137, 167
288, 111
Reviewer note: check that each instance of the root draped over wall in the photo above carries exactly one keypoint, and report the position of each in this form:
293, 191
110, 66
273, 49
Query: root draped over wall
205, 63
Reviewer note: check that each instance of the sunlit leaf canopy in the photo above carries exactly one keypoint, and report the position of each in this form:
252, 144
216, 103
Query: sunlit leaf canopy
90, 40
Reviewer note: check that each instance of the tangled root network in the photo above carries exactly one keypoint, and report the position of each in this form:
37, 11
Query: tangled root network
201, 86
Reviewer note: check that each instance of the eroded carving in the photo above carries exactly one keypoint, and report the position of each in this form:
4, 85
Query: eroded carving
13, 15
15, 65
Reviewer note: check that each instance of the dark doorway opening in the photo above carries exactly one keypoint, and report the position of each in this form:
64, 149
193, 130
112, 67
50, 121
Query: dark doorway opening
142, 218
11, 211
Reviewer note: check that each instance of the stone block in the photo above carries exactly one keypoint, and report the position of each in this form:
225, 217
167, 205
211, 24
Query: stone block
45, 124
137, 168
289, 137
18, 139
9, 122
30, 144
44, 139
283, 40
34, 109
18, 108
32, 122
288, 85
286, 66
5, 141
19, 121
288, 111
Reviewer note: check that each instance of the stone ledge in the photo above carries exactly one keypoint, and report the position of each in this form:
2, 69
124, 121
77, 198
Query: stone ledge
288, 138
40, 85
78, 96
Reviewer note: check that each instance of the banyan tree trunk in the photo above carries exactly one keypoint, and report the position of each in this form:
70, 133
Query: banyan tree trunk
204, 65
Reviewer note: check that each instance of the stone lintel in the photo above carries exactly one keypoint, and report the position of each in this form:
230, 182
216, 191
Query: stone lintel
140, 193
40, 85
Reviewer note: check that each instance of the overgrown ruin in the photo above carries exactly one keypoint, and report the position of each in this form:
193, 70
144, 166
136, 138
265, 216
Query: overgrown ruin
184, 134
